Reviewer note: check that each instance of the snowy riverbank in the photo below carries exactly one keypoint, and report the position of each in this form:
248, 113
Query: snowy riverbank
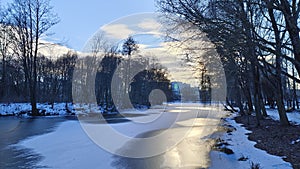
294, 117
267, 136
56, 109
21, 109
244, 151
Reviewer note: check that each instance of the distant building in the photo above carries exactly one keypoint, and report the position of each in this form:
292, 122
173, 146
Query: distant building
176, 94
185, 93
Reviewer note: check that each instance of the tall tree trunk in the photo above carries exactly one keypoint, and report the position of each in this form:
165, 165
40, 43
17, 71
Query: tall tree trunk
279, 94
33, 91
291, 15
4, 82
281, 109
239, 98
33, 101
262, 105
261, 100
257, 104
295, 99
249, 99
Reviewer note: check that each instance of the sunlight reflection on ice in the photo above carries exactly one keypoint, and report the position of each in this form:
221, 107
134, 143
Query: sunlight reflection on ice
177, 111
198, 122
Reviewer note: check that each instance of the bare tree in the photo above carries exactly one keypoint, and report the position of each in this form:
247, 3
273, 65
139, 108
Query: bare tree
247, 31
290, 11
30, 20
278, 48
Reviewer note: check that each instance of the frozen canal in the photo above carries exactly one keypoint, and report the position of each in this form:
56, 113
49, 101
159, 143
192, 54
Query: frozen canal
13, 130
181, 131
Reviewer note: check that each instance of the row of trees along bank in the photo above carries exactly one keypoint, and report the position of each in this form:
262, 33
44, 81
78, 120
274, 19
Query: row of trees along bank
258, 43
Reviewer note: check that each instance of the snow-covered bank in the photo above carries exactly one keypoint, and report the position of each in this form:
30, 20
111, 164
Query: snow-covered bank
245, 151
293, 117
23, 108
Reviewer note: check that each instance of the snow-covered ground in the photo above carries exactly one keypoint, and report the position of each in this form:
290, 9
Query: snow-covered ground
244, 148
293, 117
14, 108
58, 108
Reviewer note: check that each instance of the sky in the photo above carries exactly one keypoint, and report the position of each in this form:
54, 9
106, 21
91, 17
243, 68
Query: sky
80, 19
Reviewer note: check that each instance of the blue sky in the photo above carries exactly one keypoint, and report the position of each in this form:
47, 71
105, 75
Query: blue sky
79, 19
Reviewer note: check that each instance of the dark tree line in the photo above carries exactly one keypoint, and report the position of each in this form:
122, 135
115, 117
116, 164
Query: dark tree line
257, 42
54, 80
93, 77
125, 79
138, 87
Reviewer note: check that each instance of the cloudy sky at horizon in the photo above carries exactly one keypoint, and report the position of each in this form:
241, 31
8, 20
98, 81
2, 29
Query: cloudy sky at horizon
146, 29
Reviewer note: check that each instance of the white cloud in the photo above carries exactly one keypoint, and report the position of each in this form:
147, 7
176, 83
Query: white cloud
52, 50
173, 62
149, 25
143, 46
117, 31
